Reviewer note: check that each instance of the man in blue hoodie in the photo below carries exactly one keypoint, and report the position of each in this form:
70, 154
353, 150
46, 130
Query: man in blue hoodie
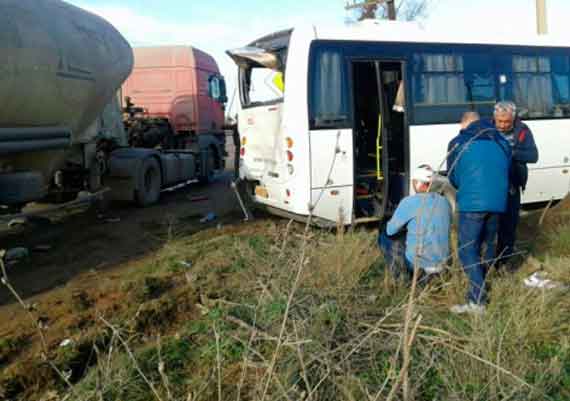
478, 164
424, 220
520, 137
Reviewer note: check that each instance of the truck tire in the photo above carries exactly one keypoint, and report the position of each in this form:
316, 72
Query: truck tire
208, 174
21, 187
149, 183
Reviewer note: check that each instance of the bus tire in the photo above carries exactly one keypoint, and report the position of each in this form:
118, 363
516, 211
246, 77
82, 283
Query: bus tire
149, 183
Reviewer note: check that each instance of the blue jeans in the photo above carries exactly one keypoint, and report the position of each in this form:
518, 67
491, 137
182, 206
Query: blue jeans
393, 248
508, 222
477, 234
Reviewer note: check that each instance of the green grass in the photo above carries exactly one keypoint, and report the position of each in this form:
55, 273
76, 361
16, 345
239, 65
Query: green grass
341, 334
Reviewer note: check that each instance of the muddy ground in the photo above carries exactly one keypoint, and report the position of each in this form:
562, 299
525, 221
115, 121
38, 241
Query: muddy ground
87, 241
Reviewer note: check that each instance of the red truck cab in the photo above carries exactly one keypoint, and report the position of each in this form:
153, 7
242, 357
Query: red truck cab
181, 84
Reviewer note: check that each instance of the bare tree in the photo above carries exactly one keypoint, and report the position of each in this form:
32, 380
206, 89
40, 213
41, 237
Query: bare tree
405, 10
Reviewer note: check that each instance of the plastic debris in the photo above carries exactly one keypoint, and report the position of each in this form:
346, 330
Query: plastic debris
185, 263
198, 198
66, 343
537, 280
209, 217
42, 248
17, 222
15, 255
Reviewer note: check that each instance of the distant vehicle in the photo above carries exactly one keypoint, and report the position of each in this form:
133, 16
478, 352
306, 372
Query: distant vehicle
181, 95
362, 105
61, 128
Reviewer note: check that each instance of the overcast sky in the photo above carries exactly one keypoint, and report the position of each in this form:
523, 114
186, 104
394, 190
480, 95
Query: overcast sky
217, 25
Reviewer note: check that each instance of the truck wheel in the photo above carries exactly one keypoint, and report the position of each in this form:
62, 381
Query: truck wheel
150, 183
210, 168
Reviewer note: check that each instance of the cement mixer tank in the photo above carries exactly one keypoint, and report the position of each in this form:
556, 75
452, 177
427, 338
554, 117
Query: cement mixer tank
59, 66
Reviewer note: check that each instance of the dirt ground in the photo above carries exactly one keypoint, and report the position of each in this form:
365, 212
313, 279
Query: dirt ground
84, 241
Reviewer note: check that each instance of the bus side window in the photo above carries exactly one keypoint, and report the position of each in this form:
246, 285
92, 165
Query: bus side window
447, 84
539, 85
329, 105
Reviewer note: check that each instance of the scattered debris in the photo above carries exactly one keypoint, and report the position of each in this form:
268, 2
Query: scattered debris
246, 213
537, 280
66, 343
185, 263
20, 221
80, 300
15, 255
209, 217
179, 186
42, 248
198, 198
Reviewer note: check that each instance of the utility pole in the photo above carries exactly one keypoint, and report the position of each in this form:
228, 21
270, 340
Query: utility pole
541, 18
369, 7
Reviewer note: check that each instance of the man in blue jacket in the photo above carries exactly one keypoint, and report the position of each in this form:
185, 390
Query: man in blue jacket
478, 164
424, 220
524, 151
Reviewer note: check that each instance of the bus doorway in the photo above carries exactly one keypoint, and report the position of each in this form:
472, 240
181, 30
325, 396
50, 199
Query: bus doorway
379, 138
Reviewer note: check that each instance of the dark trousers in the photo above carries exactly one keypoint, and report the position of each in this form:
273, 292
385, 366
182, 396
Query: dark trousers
393, 248
477, 234
508, 222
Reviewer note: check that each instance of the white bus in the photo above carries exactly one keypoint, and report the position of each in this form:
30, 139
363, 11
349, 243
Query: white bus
361, 105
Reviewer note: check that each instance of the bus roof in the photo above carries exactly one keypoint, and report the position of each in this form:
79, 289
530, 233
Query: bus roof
411, 32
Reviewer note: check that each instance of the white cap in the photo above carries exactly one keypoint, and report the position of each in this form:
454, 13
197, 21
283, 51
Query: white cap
423, 173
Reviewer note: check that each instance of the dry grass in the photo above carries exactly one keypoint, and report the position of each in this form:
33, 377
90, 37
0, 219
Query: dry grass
270, 312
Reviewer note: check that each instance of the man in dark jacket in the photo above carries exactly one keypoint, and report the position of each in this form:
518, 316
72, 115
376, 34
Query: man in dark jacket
524, 151
478, 167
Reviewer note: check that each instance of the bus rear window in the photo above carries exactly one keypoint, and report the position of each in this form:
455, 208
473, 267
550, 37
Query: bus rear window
262, 67
260, 85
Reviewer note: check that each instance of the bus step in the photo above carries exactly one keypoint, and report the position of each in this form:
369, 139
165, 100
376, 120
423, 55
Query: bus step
364, 220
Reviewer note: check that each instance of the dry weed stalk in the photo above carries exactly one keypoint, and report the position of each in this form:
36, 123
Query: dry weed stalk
36, 324
132, 357
292, 292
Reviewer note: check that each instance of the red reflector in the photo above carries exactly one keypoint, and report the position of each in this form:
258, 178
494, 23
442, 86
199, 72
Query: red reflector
289, 155
288, 193
242, 152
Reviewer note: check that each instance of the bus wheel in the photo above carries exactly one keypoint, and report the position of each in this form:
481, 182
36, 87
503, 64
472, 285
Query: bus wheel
150, 183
